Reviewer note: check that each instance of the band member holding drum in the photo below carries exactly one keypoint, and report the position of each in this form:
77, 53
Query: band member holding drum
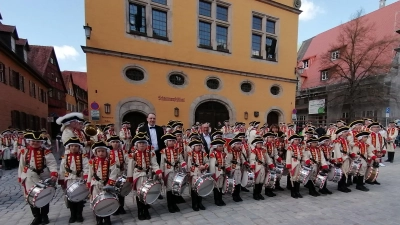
181, 143
125, 135
171, 162
119, 156
198, 163
294, 155
355, 128
217, 167
33, 161
376, 144
326, 148
342, 156
392, 133
272, 153
314, 158
142, 163
234, 161
361, 149
259, 163
102, 175
74, 167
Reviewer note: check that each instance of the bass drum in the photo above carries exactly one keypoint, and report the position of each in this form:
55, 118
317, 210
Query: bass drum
372, 174
180, 183
40, 195
77, 191
204, 185
122, 186
335, 174
248, 179
105, 204
270, 179
149, 191
230, 184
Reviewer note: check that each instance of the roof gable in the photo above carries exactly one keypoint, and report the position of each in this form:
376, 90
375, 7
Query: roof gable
78, 78
9, 29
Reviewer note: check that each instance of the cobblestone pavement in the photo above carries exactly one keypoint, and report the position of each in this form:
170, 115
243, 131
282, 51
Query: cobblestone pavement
378, 206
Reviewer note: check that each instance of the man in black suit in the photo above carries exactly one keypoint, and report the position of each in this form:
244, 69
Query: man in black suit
206, 137
154, 133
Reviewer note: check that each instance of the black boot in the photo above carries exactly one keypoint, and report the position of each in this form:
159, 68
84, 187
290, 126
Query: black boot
311, 188
36, 214
269, 193
292, 189
44, 211
199, 203
355, 179
244, 189
147, 213
349, 181
260, 186
193, 194
297, 188
79, 217
220, 198
174, 203
140, 207
288, 182
121, 209
360, 186
376, 182
7, 164
255, 192
72, 209
278, 186
216, 197
99, 220
179, 199
107, 220
342, 185
391, 156
326, 189
169, 202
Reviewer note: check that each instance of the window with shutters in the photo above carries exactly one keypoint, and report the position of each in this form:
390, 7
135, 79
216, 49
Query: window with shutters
34, 87
265, 32
2, 73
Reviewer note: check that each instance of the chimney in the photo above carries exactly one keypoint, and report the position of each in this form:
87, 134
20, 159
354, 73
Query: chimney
382, 3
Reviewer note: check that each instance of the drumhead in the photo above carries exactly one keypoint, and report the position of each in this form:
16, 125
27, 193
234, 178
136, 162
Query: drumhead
106, 207
206, 187
153, 192
126, 189
79, 193
44, 197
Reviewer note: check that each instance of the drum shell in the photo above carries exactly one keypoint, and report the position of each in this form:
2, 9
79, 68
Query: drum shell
355, 167
304, 174
248, 179
230, 184
149, 191
335, 174
180, 183
122, 186
270, 179
105, 204
77, 191
320, 181
372, 174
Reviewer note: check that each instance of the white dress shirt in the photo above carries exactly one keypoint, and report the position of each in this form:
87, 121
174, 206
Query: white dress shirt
208, 139
153, 136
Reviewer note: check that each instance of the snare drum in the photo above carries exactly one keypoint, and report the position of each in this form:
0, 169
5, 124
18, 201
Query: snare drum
230, 184
335, 174
270, 179
179, 183
320, 181
40, 195
204, 185
304, 174
279, 169
149, 191
77, 191
372, 174
122, 186
248, 179
105, 204
355, 167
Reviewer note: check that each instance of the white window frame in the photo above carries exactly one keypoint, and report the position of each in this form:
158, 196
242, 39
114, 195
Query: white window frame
25, 56
335, 54
214, 23
149, 6
51, 60
306, 63
264, 35
324, 75
12, 43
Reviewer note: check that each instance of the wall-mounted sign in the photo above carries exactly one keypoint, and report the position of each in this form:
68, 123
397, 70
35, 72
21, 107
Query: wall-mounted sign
94, 106
170, 99
316, 106
95, 115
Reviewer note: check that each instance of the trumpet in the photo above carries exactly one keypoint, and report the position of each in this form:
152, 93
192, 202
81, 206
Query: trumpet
91, 130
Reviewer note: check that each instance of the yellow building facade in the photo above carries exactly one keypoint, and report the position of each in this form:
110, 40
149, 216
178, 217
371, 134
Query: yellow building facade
191, 60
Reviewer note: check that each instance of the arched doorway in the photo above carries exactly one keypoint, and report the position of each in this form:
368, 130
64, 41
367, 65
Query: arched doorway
134, 118
272, 118
212, 112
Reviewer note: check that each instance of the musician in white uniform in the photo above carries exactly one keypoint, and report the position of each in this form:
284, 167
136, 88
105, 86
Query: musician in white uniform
235, 159
253, 132
74, 167
102, 175
36, 164
171, 163
294, 155
198, 163
326, 148
119, 156
342, 152
19, 144
392, 133
69, 124
259, 163
217, 167
272, 153
314, 158
376, 144
226, 129
142, 162
125, 135
6, 145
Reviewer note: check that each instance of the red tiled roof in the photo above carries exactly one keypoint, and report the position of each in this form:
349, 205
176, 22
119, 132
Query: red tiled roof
39, 56
384, 20
79, 78
21, 41
7, 28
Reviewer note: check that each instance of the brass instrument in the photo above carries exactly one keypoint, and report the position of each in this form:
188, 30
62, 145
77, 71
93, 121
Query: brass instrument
91, 130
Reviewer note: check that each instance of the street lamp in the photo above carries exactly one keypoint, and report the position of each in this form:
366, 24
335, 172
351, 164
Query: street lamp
88, 31
246, 115
176, 112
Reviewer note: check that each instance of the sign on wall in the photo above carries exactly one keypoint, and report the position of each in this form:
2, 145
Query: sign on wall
316, 106
95, 115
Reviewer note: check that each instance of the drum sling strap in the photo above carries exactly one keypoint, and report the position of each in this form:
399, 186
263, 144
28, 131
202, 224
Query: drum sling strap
27, 163
68, 169
97, 177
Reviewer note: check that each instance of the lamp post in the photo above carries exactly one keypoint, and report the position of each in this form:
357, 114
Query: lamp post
176, 112
88, 31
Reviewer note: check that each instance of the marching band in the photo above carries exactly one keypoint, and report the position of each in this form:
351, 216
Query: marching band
104, 165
